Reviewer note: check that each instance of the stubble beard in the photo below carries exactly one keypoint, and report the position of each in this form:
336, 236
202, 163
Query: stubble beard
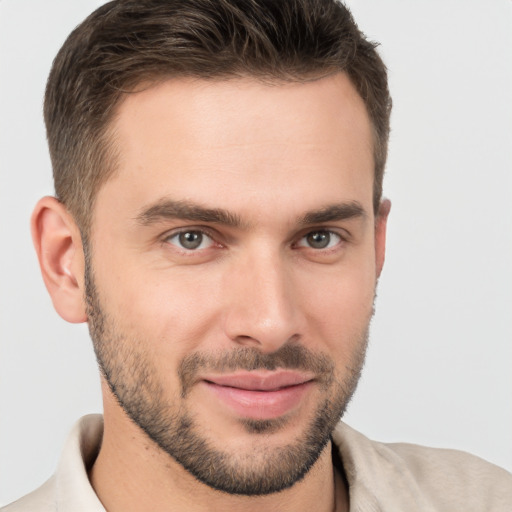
132, 378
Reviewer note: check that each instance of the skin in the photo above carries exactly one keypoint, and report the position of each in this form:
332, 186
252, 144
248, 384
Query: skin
269, 155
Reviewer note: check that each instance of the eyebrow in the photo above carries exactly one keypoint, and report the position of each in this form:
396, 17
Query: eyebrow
168, 209
334, 212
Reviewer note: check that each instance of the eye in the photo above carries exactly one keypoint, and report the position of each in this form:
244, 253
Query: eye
320, 239
191, 240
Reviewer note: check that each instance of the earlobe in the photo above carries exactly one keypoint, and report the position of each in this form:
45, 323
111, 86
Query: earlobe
59, 249
380, 234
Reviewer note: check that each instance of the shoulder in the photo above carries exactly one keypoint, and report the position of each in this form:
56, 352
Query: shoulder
405, 475
40, 500
454, 477
69, 488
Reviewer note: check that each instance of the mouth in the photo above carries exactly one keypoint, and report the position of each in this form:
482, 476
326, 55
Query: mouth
260, 395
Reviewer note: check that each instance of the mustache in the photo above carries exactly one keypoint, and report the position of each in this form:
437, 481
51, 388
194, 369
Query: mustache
292, 357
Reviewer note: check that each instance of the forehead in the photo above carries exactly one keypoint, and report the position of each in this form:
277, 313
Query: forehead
244, 110
240, 140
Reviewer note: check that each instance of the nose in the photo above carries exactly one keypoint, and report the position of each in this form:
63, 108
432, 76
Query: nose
262, 310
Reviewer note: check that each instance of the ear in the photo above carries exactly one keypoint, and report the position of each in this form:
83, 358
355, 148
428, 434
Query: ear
59, 249
380, 234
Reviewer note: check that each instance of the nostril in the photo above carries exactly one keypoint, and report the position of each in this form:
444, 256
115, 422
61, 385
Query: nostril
266, 344
246, 340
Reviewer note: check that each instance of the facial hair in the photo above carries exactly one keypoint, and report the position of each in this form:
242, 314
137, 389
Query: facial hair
164, 416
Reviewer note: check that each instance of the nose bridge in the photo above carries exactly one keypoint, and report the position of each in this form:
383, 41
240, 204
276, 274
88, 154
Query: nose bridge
262, 310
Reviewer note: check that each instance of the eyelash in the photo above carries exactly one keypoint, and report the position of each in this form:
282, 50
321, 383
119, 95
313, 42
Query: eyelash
167, 239
331, 234
207, 233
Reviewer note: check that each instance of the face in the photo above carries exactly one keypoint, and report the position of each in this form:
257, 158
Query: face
231, 272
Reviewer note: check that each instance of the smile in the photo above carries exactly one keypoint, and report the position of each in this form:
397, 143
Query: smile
258, 395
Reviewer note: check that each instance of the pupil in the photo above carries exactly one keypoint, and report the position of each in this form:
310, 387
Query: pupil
319, 239
191, 239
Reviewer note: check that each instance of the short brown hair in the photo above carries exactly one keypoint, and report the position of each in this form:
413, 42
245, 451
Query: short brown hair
127, 42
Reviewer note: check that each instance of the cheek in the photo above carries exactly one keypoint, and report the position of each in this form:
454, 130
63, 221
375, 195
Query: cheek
168, 311
340, 306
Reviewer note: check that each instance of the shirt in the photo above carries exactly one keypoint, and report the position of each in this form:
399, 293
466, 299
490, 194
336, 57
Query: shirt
381, 477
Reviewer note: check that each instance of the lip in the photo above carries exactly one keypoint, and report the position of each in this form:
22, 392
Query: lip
260, 395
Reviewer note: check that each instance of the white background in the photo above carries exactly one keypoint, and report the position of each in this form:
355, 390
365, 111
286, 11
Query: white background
440, 361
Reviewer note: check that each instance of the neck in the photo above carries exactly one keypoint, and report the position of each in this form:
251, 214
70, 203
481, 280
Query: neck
131, 473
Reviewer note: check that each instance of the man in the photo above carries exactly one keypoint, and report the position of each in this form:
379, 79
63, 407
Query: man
219, 224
